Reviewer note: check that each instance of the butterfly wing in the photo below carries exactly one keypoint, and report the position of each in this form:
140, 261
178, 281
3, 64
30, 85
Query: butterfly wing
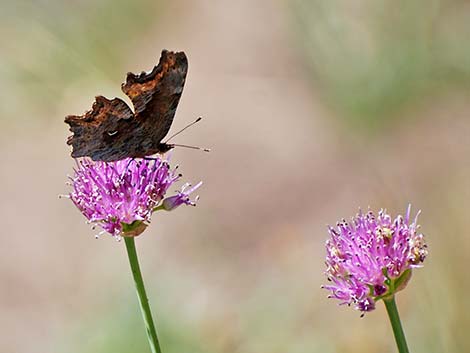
156, 95
98, 133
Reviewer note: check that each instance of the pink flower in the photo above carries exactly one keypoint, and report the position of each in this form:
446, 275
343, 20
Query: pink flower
121, 196
372, 257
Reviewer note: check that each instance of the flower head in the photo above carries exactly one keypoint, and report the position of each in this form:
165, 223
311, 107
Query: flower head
121, 196
372, 257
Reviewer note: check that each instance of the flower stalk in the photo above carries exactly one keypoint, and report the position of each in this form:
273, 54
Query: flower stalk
142, 295
396, 324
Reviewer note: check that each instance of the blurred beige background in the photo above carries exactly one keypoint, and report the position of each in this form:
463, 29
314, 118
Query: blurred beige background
312, 109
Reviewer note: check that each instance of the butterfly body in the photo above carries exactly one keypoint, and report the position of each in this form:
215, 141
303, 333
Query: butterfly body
111, 131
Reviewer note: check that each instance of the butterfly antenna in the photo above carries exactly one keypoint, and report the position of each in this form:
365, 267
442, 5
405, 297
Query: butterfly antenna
192, 147
180, 131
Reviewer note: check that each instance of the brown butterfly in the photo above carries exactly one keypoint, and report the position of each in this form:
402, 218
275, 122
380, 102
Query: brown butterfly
111, 131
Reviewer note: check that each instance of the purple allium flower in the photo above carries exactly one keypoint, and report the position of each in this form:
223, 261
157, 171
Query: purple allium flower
371, 258
121, 196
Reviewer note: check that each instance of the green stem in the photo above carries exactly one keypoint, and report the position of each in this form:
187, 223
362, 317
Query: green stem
396, 324
143, 300
158, 208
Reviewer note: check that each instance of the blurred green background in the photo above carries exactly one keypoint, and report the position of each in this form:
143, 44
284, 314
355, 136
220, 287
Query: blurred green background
312, 109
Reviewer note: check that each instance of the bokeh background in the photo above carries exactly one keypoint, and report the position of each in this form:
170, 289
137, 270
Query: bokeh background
312, 109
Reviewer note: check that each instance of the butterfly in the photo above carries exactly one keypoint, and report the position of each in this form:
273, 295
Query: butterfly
111, 131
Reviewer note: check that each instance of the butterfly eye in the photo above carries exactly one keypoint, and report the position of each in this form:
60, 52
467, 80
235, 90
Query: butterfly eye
112, 133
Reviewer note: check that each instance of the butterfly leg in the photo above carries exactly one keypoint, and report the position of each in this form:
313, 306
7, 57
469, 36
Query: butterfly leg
159, 159
126, 170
